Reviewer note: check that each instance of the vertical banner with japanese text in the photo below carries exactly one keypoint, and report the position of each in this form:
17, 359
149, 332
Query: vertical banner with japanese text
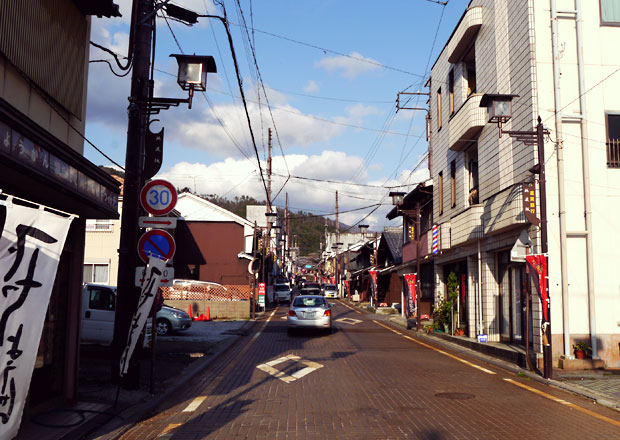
538, 266
373, 276
31, 243
148, 292
411, 301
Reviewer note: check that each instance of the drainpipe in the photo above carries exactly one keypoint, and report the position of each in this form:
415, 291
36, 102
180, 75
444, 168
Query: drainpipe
585, 161
479, 293
560, 163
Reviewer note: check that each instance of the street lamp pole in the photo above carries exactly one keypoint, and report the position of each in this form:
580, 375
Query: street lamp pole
128, 294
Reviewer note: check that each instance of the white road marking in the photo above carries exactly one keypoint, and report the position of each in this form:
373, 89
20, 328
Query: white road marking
350, 321
194, 404
268, 367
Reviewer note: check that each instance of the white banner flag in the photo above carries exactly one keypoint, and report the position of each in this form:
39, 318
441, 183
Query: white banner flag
147, 295
31, 242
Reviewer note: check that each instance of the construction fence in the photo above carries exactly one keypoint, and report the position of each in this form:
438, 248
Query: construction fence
217, 301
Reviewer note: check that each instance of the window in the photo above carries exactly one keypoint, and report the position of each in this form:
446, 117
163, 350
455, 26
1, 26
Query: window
100, 298
613, 140
451, 91
441, 193
469, 70
453, 183
610, 12
471, 158
96, 273
439, 109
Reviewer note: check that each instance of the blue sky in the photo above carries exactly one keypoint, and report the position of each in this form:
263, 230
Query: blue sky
330, 71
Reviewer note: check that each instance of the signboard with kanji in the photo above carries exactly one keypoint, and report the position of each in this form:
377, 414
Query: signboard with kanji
529, 203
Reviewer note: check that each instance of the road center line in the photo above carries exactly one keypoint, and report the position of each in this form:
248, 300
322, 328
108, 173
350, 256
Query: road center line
350, 308
166, 431
195, 404
436, 349
564, 402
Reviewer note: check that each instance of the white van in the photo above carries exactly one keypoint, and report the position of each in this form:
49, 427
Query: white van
98, 309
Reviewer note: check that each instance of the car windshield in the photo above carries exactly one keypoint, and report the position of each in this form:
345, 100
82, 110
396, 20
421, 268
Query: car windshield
282, 287
309, 302
330, 287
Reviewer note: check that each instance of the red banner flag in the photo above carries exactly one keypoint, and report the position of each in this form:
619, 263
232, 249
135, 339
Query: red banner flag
373, 275
538, 271
410, 278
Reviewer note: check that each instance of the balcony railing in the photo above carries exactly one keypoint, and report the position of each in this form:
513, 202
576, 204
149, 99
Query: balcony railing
467, 225
467, 122
613, 153
465, 34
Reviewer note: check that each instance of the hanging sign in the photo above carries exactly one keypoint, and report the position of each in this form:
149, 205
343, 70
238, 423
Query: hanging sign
158, 197
529, 203
31, 242
410, 278
157, 243
148, 291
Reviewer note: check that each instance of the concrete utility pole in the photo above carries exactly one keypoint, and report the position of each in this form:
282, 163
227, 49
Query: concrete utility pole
127, 294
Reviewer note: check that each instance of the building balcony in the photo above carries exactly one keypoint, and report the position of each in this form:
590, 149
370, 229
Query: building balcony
467, 122
504, 210
467, 226
464, 34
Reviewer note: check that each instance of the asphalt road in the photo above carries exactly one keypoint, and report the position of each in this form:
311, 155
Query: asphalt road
365, 381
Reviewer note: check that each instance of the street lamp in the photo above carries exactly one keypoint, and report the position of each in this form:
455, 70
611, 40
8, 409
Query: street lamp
363, 229
192, 74
500, 111
397, 197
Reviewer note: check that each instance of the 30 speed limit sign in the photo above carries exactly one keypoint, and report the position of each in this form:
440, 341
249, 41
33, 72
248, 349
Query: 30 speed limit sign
158, 197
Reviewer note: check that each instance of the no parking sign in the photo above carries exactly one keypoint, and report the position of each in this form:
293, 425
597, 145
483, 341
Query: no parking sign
157, 243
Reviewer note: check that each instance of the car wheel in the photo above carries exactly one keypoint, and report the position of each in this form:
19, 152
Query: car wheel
163, 327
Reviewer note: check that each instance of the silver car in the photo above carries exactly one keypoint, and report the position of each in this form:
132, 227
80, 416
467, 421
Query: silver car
330, 291
309, 311
171, 320
282, 292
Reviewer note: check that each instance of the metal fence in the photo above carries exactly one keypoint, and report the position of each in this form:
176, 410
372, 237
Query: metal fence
613, 153
207, 292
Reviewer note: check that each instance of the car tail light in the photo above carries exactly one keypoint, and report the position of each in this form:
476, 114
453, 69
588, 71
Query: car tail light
327, 313
292, 313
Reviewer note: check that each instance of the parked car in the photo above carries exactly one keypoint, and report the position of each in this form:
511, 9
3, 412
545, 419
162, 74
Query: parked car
183, 289
309, 311
98, 311
282, 292
330, 291
169, 320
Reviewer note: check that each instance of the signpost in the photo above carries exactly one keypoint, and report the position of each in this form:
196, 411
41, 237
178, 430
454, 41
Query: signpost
158, 197
166, 277
157, 243
158, 222
261, 294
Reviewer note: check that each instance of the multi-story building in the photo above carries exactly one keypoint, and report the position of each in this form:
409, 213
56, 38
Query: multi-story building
558, 61
44, 51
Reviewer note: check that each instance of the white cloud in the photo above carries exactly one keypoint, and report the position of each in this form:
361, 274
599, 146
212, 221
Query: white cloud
348, 67
311, 87
236, 177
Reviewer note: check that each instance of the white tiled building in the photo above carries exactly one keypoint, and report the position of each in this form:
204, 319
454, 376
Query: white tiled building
507, 47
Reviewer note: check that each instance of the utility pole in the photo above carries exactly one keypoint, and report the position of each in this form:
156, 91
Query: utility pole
337, 241
418, 282
269, 171
128, 295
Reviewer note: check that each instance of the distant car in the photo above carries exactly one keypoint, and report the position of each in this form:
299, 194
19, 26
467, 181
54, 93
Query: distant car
184, 289
171, 320
282, 292
330, 291
310, 291
309, 311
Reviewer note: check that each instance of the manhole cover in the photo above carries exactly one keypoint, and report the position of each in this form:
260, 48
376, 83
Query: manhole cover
455, 396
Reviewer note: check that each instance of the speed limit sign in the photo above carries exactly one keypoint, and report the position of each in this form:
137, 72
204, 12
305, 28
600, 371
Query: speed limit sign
158, 197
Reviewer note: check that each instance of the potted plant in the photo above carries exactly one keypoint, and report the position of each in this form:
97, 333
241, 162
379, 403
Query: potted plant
581, 349
460, 331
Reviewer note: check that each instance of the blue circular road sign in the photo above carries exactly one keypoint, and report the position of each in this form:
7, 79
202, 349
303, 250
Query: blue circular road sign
157, 243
